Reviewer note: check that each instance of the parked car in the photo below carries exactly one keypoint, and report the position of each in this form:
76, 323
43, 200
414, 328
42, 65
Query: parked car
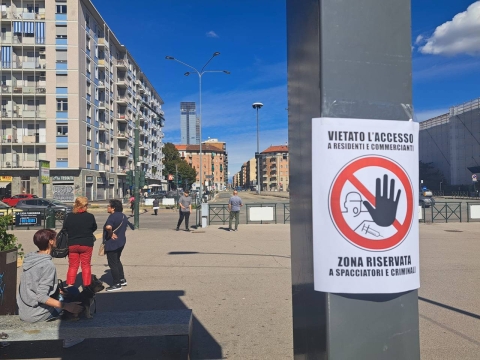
12, 201
426, 201
42, 204
6, 209
158, 194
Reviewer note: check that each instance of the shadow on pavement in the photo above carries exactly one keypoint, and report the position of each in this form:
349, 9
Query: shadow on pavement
218, 253
448, 307
204, 346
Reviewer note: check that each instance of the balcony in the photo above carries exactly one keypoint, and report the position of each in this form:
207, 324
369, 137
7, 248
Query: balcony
101, 146
101, 63
122, 100
122, 118
273, 160
122, 170
101, 42
122, 153
122, 134
101, 105
122, 82
121, 64
103, 126
101, 84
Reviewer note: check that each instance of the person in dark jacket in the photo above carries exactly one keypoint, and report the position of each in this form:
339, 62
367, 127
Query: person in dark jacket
37, 297
80, 226
156, 204
115, 239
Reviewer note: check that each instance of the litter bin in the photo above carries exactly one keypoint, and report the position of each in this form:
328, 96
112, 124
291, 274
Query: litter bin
49, 218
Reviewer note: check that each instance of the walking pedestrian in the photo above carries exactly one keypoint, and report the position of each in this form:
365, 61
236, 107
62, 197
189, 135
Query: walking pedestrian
185, 203
156, 204
115, 238
234, 205
132, 204
80, 226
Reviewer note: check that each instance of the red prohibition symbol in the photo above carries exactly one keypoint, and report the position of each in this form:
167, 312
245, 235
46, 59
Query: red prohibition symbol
348, 174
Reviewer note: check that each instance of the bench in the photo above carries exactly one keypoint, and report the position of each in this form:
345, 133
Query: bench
174, 325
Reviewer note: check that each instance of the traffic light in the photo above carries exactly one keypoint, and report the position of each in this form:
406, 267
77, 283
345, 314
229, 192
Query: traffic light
141, 182
130, 179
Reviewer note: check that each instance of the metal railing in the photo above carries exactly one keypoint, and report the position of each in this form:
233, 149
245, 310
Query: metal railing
286, 213
218, 213
446, 210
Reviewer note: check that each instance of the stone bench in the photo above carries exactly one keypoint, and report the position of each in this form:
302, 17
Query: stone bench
174, 325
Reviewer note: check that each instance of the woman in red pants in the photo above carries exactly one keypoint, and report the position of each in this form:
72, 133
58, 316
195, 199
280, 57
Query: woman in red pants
80, 226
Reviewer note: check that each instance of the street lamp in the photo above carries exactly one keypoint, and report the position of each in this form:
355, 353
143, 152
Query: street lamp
258, 106
200, 74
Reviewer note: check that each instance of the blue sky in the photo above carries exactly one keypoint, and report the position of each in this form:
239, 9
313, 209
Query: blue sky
251, 37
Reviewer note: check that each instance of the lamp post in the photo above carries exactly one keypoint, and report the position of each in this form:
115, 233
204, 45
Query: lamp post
258, 106
200, 74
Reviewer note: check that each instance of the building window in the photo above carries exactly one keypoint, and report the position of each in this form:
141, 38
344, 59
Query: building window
62, 104
87, 42
62, 130
31, 8
61, 9
62, 154
61, 55
61, 32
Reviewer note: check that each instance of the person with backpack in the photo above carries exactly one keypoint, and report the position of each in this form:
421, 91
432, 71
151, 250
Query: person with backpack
80, 226
38, 291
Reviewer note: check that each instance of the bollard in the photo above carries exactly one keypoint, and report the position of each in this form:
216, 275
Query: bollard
49, 218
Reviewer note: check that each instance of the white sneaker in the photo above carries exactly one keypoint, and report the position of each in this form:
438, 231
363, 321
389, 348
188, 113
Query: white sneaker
68, 343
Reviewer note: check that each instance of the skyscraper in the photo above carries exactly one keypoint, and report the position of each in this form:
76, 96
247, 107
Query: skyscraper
189, 129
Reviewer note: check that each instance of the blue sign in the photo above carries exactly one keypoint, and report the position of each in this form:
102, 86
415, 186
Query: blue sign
28, 218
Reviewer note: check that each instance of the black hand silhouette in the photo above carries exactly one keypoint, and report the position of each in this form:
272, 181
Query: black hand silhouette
385, 209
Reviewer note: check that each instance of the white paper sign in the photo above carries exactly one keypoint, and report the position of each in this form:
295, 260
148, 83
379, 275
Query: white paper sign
365, 205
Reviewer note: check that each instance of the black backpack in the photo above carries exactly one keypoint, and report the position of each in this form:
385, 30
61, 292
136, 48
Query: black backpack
61, 250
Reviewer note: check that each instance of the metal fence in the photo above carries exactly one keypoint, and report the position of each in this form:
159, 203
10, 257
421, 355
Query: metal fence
442, 212
250, 206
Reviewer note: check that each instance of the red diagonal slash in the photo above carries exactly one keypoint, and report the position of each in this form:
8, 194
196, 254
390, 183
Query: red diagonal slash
369, 196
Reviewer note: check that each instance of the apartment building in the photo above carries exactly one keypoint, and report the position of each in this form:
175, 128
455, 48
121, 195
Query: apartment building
70, 92
213, 163
274, 168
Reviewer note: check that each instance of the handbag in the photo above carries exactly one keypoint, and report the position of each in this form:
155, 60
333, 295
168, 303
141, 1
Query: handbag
101, 250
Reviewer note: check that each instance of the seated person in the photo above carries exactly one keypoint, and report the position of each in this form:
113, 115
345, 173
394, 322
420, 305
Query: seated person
38, 298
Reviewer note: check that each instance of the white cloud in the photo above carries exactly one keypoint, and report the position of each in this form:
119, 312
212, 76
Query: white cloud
419, 39
212, 34
461, 35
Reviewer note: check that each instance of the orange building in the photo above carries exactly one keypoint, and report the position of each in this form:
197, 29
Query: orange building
274, 168
214, 163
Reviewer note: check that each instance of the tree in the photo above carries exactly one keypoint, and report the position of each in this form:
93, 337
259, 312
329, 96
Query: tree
171, 153
172, 158
431, 176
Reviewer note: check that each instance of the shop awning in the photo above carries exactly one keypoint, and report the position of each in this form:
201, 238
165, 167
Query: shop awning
3, 184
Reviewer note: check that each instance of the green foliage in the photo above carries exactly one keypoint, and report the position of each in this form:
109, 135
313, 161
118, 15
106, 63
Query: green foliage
8, 241
172, 158
431, 176
171, 153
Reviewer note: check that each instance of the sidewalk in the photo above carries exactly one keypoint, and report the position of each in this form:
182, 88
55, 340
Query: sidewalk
238, 285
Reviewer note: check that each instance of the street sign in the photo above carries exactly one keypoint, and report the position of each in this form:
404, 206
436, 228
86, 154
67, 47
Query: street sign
474, 177
365, 222
28, 218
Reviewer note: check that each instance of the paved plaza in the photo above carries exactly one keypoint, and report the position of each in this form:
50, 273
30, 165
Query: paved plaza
238, 285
